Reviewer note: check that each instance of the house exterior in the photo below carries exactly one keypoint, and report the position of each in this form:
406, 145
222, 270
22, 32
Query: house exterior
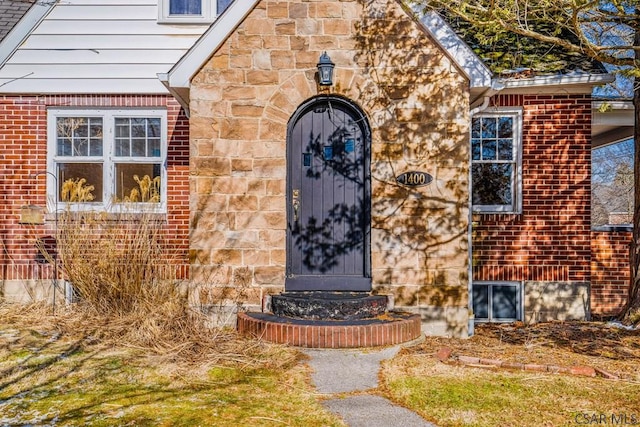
417, 172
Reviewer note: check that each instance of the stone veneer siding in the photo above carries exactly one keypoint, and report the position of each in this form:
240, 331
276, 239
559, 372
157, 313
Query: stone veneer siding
23, 137
416, 102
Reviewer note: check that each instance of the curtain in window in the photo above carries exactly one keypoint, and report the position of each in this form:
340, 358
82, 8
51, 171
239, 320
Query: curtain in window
185, 7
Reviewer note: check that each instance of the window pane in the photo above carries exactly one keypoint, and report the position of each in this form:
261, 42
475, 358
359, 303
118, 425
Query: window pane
64, 147
138, 182
481, 301
185, 7
476, 125
137, 137
504, 302
505, 149
489, 150
489, 127
139, 147
79, 136
222, 5
80, 182
505, 127
475, 149
491, 184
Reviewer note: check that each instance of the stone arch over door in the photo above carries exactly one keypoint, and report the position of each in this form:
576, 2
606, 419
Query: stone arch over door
328, 197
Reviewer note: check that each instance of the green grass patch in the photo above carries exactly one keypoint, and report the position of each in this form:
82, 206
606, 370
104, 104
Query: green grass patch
458, 396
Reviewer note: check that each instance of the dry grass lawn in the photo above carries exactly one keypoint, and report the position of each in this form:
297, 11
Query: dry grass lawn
454, 395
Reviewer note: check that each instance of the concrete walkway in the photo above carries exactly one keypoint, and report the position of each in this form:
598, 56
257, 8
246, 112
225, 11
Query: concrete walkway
346, 371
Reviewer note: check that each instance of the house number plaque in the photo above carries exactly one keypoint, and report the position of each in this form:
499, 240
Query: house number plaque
414, 179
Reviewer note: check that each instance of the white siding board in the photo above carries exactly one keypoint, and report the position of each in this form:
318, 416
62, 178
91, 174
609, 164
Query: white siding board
106, 12
65, 42
82, 86
110, 2
88, 27
104, 56
98, 46
102, 71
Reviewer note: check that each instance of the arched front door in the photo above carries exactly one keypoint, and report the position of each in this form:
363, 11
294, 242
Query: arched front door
328, 219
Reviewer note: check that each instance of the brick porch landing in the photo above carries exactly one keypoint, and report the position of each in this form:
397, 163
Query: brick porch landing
388, 329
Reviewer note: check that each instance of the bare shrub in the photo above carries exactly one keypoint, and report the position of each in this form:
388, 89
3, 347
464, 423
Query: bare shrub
125, 274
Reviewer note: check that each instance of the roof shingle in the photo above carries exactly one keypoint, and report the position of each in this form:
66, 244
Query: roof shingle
11, 11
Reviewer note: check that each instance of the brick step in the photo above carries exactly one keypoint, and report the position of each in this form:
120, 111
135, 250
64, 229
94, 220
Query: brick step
390, 328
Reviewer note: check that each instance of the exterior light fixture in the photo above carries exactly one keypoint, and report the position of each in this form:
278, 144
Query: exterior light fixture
325, 70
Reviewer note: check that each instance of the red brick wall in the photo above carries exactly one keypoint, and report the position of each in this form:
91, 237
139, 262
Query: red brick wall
23, 142
610, 273
550, 239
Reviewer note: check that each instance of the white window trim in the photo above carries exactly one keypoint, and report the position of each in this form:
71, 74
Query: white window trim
108, 159
519, 301
516, 207
208, 14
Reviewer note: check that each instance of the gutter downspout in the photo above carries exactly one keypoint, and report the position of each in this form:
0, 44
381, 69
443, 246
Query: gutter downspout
486, 99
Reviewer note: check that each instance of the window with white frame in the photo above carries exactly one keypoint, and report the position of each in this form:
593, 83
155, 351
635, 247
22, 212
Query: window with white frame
190, 11
496, 161
497, 301
100, 159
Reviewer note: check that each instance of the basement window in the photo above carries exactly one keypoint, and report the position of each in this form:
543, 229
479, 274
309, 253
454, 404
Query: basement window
190, 11
497, 301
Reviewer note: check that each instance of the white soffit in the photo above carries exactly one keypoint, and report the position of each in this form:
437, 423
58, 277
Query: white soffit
181, 73
22, 29
478, 73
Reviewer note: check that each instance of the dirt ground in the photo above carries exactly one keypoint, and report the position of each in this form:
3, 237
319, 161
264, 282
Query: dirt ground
599, 345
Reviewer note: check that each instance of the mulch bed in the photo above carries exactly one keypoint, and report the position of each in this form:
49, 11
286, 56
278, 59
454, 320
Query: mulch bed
606, 348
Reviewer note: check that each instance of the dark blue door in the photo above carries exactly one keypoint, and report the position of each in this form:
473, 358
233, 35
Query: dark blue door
328, 198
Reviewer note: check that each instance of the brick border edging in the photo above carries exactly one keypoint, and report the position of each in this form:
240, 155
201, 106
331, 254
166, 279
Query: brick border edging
445, 355
330, 336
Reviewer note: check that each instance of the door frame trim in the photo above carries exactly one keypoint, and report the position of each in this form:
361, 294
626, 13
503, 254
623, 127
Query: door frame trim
329, 282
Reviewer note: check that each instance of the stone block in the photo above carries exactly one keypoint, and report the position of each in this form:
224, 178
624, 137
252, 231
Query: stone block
241, 165
328, 10
258, 26
272, 203
263, 77
226, 257
243, 202
298, 10
269, 275
286, 28
243, 129
211, 166
246, 110
336, 27
278, 9
253, 257
546, 301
